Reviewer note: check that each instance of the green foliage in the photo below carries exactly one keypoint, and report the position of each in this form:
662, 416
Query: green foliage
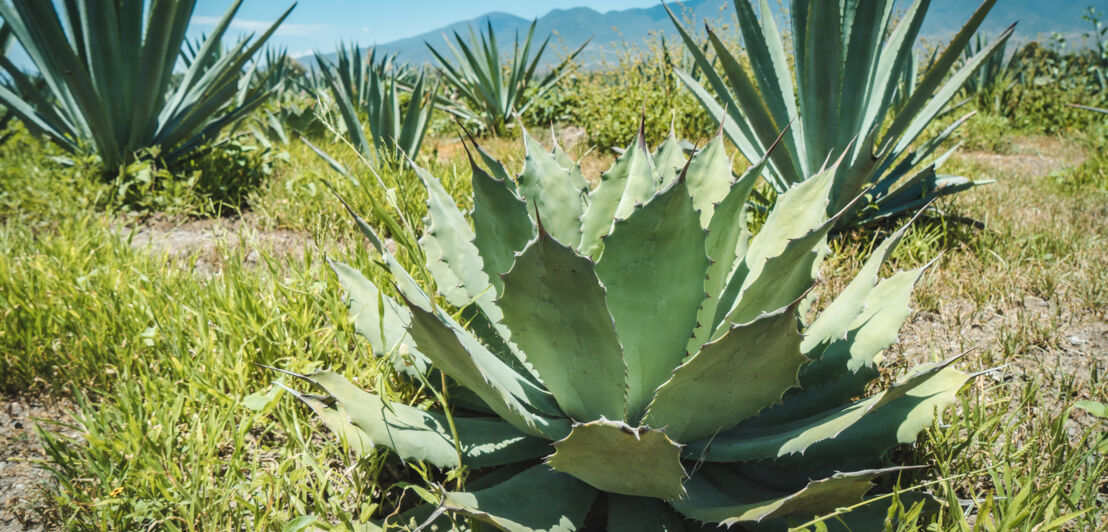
109, 71
218, 182
608, 103
488, 90
372, 89
848, 59
679, 373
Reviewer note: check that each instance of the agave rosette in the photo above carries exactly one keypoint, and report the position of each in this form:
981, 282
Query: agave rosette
848, 59
634, 356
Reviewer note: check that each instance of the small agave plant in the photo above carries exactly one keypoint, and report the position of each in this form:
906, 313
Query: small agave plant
634, 357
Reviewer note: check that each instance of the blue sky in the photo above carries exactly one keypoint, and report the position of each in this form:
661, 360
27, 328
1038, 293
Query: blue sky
320, 24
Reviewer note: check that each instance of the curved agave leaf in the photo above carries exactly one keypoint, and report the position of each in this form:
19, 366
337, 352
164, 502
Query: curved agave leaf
747, 369
514, 398
833, 321
653, 268
501, 225
631, 180
864, 428
557, 193
871, 331
381, 320
554, 304
366, 419
789, 247
729, 501
452, 258
617, 458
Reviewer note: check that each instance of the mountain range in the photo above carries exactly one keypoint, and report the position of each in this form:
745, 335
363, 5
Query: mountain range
614, 31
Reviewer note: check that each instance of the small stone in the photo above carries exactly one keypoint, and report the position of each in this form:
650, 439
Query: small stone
1077, 340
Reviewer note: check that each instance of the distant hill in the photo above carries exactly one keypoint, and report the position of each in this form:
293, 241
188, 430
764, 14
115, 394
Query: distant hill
614, 30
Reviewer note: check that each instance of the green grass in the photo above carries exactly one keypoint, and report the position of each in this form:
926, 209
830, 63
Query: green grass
180, 429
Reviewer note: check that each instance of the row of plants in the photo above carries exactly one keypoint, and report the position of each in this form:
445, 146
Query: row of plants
387, 108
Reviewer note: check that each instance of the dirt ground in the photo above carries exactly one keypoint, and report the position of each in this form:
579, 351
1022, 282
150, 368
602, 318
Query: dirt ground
23, 482
205, 240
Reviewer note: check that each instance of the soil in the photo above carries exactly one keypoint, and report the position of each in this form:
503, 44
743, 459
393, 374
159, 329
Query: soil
203, 243
24, 483
1069, 352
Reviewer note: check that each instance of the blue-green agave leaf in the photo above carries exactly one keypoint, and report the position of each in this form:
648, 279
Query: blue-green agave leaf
416, 434
617, 458
733, 378
653, 268
554, 304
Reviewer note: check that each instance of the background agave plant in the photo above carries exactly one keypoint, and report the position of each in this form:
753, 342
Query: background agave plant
372, 88
488, 94
849, 58
994, 79
109, 71
635, 349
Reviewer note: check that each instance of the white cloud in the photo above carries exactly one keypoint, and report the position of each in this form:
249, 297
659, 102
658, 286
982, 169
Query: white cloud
259, 26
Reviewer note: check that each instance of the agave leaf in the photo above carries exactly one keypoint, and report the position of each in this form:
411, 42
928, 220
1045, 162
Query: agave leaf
833, 321
537, 499
415, 434
653, 268
780, 280
668, 160
458, 269
856, 429
747, 369
631, 180
728, 238
635, 514
514, 398
710, 502
336, 419
875, 328
617, 458
710, 179
553, 191
452, 258
381, 320
501, 224
845, 362
796, 213
554, 305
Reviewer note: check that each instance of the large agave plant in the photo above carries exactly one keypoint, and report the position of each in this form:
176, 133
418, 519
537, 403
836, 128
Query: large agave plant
634, 358
490, 94
849, 58
109, 71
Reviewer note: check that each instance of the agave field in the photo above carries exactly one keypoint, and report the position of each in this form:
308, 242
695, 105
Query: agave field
798, 272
